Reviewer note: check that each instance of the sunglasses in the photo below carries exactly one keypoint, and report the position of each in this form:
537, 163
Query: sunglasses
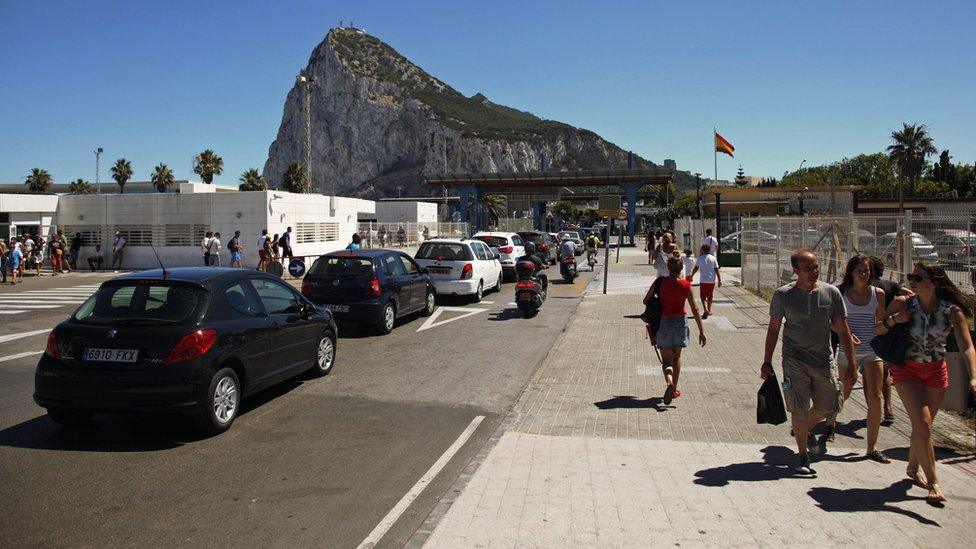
915, 277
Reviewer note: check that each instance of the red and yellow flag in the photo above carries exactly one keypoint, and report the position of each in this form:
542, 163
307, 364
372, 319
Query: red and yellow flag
723, 146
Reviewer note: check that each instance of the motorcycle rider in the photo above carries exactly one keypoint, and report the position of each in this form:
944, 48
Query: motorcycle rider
567, 248
531, 255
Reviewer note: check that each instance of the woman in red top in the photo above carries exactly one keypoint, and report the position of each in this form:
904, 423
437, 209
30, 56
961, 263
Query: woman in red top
673, 333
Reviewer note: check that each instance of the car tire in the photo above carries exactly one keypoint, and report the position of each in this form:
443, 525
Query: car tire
70, 417
498, 284
325, 353
479, 293
429, 304
387, 319
220, 404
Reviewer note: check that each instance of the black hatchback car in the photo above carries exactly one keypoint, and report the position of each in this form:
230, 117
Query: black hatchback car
545, 246
192, 341
373, 287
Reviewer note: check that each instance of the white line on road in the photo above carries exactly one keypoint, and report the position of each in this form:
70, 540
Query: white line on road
432, 321
17, 312
11, 337
23, 306
19, 355
390, 519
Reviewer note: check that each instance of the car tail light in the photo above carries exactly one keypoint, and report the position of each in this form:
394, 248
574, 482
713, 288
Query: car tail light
467, 271
306, 287
52, 349
373, 288
525, 284
193, 345
543, 247
506, 249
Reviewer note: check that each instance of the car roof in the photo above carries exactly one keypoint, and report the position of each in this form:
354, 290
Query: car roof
372, 253
493, 233
200, 275
448, 239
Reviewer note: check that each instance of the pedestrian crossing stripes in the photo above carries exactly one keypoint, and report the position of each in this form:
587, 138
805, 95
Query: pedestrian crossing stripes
38, 300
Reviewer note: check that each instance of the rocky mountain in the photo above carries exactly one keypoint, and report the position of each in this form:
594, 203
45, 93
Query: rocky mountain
380, 123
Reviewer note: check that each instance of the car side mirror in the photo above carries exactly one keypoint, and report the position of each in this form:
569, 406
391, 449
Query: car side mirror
308, 310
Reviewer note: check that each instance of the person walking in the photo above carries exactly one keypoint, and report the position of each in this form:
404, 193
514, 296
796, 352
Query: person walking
286, 245
710, 241
865, 308
63, 263
76, 243
401, 236
650, 244
937, 308
263, 256
54, 250
689, 262
118, 251
662, 252
356, 242
811, 309
268, 253
16, 258
710, 274
37, 253
4, 257
236, 248
215, 250
205, 247
382, 235
673, 334
892, 289
275, 247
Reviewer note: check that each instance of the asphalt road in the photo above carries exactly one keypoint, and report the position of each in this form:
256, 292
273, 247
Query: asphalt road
308, 462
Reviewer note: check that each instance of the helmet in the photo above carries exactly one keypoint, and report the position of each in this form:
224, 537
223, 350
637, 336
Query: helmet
529, 248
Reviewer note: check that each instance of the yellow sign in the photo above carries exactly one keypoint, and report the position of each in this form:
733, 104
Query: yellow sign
609, 205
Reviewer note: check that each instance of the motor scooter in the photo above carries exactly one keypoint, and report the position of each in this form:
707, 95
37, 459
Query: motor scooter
591, 259
529, 290
567, 268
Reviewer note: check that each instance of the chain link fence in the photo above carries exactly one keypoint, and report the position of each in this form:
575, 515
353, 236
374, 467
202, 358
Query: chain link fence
766, 243
402, 235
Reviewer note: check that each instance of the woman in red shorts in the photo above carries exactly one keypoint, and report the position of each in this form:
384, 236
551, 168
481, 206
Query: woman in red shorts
937, 307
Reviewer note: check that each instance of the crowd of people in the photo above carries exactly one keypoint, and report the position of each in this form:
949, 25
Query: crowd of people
827, 334
29, 253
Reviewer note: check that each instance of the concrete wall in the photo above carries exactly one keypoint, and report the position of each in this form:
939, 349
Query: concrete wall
27, 210
406, 212
168, 216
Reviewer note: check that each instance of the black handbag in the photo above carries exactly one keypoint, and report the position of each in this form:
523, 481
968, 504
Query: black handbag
652, 308
892, 346
770, 407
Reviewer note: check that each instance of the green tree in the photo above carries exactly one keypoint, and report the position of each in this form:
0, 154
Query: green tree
293, 180
208, 164
565, 210
162, 177
685, 205
121, 173
80, 186
912, 145
251, 180
492, 205
943, 170
740, 177
39, 181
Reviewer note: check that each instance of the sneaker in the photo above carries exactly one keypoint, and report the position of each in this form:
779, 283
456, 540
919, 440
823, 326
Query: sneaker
802, 466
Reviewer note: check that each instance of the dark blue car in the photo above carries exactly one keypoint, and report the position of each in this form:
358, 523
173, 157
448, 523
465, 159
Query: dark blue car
374, 287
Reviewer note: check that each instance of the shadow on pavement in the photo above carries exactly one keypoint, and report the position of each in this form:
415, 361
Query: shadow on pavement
509, 313
851, 428
854, 500
630, 402
777, 464
124, 432
941, 453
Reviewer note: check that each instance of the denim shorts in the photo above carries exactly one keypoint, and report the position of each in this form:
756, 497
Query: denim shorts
673, 333
235, 256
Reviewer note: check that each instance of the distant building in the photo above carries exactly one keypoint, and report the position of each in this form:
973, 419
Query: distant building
739, 202
670, 164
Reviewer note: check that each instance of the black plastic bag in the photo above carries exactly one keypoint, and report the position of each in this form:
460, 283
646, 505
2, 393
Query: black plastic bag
769, 403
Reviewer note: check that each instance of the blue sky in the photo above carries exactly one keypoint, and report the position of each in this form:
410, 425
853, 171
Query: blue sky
783, 81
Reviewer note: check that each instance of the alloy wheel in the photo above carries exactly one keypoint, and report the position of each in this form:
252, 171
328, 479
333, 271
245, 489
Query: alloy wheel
389, 317
225, 399
326, 354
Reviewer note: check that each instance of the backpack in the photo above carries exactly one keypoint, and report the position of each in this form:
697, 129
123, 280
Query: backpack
652, 308
283, 242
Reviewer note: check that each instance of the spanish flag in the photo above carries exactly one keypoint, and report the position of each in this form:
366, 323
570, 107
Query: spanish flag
723, 146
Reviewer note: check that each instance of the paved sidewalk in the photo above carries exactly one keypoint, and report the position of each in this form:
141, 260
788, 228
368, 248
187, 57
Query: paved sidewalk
590, 456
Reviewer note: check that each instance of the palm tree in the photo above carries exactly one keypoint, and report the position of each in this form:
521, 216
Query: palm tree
490, 205
208, 164
80, 186
162, 177
912, 144
39, 181
251, 180
293, 180
121, 173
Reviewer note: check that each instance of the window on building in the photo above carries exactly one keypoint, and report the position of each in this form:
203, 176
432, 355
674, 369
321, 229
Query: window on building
136, 235
91, 236
316, 232
184, 235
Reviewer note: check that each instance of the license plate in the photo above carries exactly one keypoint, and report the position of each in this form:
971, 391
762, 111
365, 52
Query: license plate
439, 270
525, 296
337, 308
110, 355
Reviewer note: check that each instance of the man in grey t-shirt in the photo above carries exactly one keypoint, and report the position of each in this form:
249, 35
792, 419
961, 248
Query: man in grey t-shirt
812, 309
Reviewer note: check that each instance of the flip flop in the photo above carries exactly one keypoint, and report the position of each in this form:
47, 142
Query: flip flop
669, 394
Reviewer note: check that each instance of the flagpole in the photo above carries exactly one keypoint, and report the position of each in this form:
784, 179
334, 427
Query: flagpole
715, 153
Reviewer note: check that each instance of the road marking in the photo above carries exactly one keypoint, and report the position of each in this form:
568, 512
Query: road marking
12, 312
488, 302
19, 355
23, 306
512, 304
431, 320
11, 337
390, 519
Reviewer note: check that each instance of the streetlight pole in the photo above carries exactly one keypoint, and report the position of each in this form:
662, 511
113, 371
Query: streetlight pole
802, 209
800, 167
98, 154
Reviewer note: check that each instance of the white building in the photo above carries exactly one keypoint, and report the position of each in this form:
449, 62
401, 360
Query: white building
175, 223
403, 211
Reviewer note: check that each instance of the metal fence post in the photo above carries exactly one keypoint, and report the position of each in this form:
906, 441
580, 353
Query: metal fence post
907, 248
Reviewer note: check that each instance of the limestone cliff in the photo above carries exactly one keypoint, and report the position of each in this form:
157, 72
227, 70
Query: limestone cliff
380, 122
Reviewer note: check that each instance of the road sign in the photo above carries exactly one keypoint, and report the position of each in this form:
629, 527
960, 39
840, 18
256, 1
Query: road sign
622, 214
296, 267
609, 205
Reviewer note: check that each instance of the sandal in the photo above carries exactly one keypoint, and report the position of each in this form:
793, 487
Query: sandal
830, 433
669, 394
917, 478
935, 494
875, 455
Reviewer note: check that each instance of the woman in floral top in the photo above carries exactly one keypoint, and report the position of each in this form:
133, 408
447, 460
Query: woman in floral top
937, 307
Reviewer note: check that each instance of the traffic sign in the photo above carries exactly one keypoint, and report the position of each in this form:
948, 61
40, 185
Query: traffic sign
296, 267
622, 214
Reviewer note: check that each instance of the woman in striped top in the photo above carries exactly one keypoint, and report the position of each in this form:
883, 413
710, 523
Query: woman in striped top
865, 307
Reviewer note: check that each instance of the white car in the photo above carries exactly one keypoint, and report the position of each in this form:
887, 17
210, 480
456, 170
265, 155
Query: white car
460, 266
508, 246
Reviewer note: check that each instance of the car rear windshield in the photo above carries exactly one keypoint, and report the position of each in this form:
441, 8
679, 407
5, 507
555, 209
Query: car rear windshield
444, 251
495, 241
339, 266
532, 237
569, 235
141, 303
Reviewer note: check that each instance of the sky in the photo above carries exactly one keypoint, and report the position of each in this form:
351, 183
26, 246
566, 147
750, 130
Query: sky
783, 81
